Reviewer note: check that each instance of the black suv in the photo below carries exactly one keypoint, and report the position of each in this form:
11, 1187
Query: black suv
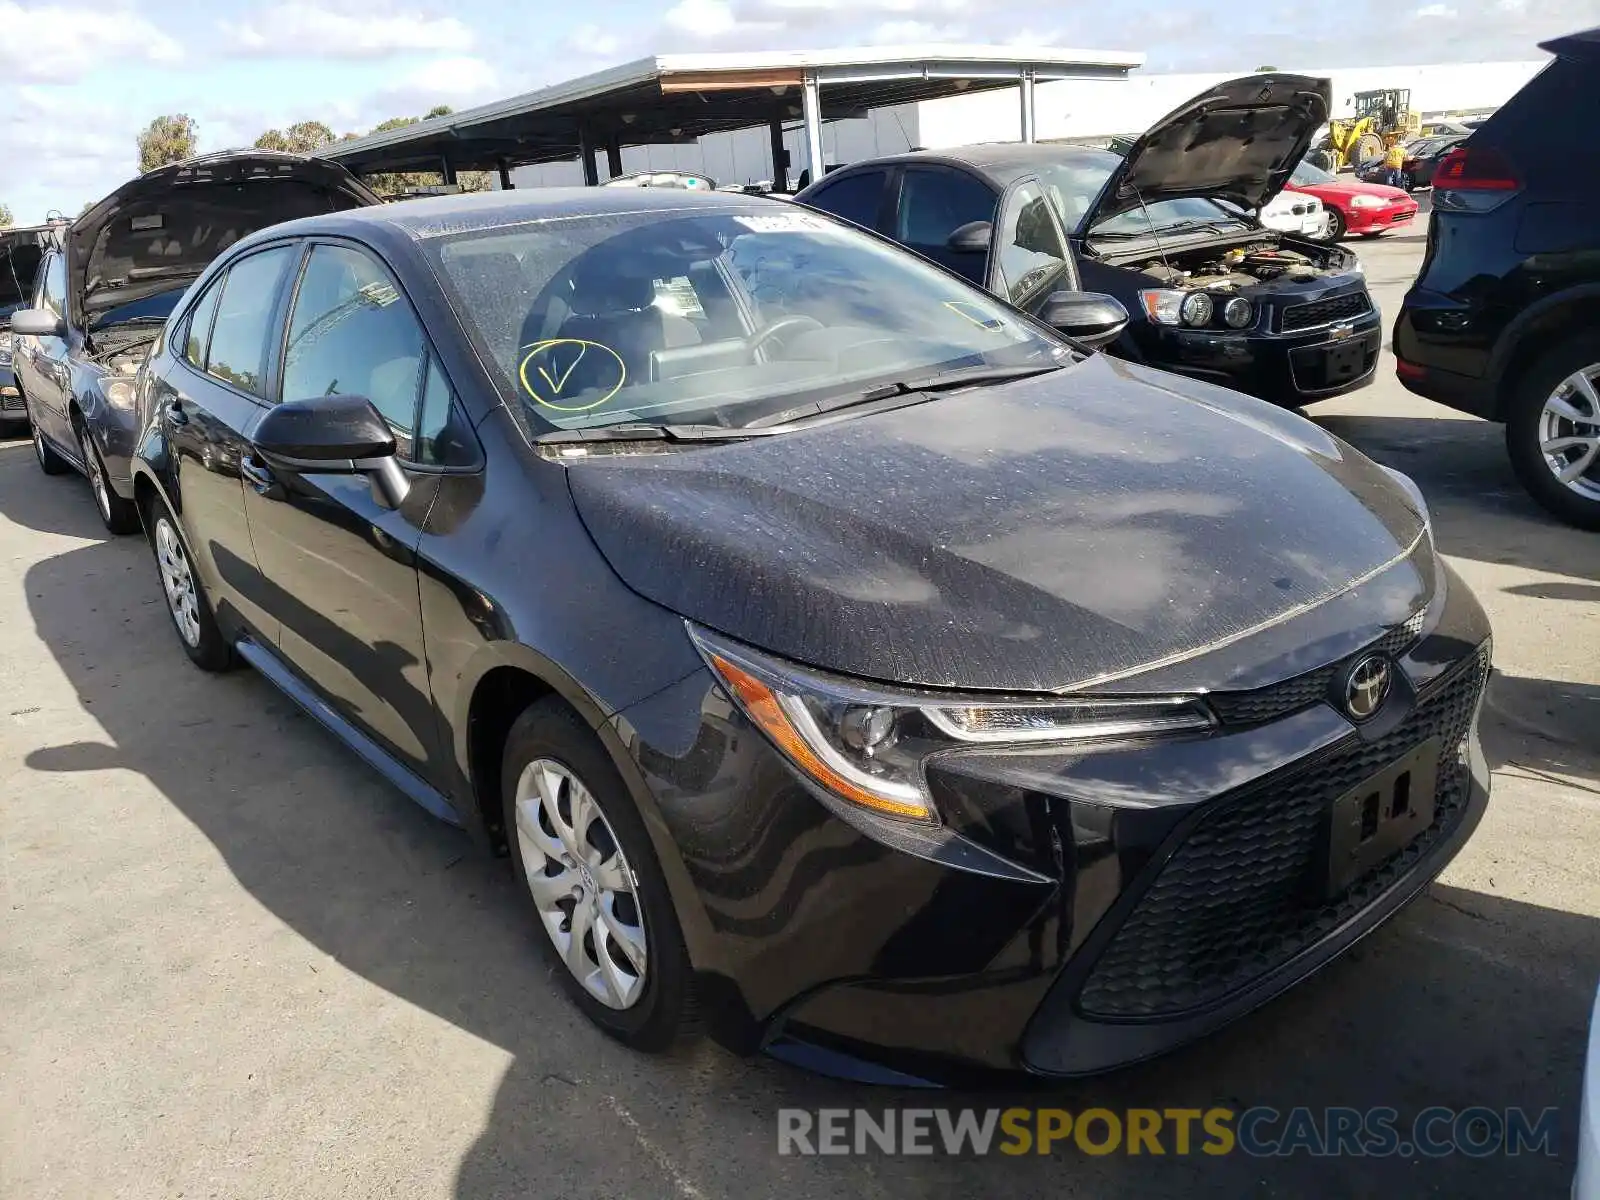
1504, 318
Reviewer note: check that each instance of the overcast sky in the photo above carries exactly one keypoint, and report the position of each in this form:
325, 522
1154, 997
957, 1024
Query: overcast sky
84, 78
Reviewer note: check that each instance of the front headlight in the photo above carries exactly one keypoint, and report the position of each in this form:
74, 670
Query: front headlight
1365, 201
119, 393
867, 745
1238, 312
1163, 306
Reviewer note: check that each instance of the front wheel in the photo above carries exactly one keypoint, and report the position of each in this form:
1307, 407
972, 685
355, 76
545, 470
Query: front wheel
186, 599
119, 515
1553, 431
1336, 226
598, 893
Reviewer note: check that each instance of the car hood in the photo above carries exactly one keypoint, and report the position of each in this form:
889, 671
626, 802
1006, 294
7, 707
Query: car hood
1345, 188
1035, 536
1237, 142
158, 232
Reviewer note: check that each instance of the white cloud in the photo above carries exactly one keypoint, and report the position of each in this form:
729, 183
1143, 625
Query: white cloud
702, 18
460, 76
296, 30
48, 44
905, 33
593, 40
1435, 10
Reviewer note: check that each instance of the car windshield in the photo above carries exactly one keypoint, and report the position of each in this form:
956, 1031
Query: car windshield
1306, 175
1073, 188
717, 316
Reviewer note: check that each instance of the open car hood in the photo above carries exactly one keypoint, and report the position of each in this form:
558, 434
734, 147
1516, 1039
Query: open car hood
1237, 142
158, 232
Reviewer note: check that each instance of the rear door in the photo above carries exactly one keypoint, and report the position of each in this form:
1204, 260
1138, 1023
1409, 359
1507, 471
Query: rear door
340, 567
207, 404
934, 201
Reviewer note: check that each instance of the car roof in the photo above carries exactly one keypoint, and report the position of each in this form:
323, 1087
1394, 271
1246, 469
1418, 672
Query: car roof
1004, 161
436, 216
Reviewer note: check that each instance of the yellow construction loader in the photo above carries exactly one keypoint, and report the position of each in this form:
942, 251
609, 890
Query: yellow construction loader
1381, 118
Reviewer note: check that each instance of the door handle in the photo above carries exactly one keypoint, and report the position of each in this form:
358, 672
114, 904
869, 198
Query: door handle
257, 475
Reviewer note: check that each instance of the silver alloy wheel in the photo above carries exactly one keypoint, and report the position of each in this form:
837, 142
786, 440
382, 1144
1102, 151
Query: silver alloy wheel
177, 580
97, 475
581, 882
38, 445
1569, 432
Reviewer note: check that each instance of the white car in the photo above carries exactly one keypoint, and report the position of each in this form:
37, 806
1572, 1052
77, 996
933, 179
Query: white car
1586, 1186
1295, 212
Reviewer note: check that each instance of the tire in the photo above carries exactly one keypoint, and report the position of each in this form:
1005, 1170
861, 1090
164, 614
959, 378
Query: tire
49, 461
119, 515
1532, 419
196, 627
1374, 234
651, 1010
1368, 146
1335, 225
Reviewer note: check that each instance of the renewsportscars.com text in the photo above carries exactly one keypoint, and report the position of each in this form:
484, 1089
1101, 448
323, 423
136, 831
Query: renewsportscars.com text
1260, 1131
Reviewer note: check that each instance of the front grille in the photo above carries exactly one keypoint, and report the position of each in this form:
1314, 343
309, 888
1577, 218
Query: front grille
1325, 312
1237, 899
1281, 699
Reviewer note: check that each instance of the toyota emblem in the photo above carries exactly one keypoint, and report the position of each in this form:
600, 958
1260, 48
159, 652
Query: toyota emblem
1367, 687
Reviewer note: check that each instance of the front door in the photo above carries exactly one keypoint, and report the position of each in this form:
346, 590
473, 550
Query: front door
41, 362
340, 567
208, 401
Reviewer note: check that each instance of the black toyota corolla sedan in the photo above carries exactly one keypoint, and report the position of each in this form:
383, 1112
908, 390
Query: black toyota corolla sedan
1166, 226
839, 654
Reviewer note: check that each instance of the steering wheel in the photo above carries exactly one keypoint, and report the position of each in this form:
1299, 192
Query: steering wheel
782, 327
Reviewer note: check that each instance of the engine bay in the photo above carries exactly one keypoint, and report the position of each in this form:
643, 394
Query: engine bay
1241, 267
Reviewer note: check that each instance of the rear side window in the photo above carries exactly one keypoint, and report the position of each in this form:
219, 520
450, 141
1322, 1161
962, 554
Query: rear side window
935, 202
241, 331
855, 197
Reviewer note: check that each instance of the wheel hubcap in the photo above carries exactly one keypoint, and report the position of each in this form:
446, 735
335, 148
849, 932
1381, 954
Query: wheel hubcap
38, 444
1569, 432
582, 884
178, 582
97, 477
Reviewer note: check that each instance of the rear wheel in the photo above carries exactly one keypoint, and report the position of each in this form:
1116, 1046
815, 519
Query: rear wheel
598, 892
186, 600
1553, 431
119, 515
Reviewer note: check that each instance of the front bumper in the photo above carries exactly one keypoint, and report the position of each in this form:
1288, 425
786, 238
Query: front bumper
12, 405
1396, 215
1129, 897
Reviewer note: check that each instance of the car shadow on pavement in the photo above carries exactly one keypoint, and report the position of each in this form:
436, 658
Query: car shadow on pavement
48, 503
1465, 999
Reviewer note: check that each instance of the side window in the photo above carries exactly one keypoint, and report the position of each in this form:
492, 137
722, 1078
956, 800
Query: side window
53, 290
1033, 258
352, 334
935, 202
854, 197
241, 331
199, 329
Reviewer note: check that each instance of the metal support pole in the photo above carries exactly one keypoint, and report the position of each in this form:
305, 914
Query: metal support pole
613, 156
811, 107
447, 169
1027, 107
780, 171
586, 156
505, 176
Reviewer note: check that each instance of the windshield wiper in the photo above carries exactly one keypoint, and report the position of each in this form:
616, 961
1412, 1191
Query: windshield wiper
943, 381
641, 431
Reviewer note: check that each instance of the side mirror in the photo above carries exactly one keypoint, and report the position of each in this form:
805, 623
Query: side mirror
337, 435
974, 237
37, 322
1088, 317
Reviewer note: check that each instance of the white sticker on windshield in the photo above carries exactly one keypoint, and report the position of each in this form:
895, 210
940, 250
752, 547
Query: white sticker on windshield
139, 224
793, 222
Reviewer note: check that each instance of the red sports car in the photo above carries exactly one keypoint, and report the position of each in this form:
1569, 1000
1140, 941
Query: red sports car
1353, 206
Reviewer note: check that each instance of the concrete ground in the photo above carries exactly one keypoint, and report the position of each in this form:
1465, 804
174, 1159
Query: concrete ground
234, 963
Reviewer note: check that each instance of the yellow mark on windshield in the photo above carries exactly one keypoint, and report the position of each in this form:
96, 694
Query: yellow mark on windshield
552, 363
976, 314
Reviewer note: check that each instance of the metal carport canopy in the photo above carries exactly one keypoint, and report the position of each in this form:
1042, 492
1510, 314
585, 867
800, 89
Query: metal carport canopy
681, 97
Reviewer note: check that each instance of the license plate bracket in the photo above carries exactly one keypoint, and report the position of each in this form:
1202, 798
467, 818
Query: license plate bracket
1345, 361
1380, 817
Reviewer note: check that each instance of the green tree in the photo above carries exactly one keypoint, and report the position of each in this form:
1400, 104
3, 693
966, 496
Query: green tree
303, 137
87, 206
5, 217
166, 140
